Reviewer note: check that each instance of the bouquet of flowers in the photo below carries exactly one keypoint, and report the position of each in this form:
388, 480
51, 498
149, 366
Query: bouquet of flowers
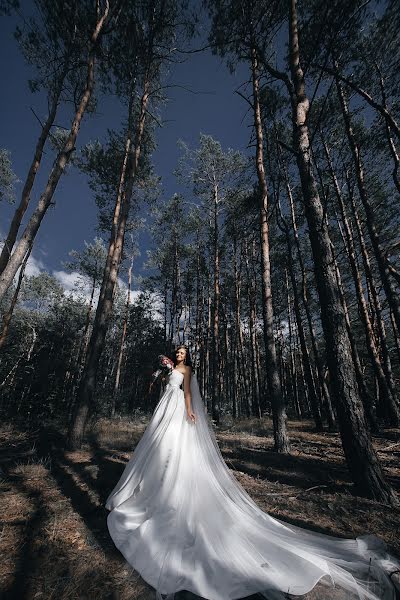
164, 365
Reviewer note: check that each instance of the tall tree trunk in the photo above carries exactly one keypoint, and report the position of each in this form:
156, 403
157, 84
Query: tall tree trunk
364, 393
292, 362
122, 342
396, 336
256, 349
173, 317
207, 369
383, 371
71, 389
361, 458
251, 295
380, 256
32, 227
392, 145
274, 384
323, 392
385, 383
239, 341
33, 169
8, 315
308, 372
216, 355
104, 307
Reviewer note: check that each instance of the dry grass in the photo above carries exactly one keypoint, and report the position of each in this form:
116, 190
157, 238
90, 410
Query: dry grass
54, 541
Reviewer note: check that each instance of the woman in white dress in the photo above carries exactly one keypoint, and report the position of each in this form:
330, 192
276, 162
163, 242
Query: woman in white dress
182, 520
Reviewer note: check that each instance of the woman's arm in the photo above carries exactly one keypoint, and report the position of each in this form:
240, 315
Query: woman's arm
188, 397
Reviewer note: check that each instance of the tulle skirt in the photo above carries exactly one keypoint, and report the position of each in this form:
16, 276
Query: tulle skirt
183, 521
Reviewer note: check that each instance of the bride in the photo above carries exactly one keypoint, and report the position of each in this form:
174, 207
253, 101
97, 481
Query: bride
183, 521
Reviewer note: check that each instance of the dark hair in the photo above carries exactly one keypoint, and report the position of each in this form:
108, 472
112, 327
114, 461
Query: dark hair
188, 360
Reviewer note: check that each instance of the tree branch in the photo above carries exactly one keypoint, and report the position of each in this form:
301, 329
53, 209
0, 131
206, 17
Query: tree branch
367, 97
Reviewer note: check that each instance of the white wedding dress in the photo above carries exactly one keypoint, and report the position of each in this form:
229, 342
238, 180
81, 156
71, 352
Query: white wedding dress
183, 521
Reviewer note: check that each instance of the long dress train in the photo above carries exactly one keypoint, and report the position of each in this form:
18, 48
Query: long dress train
184, 522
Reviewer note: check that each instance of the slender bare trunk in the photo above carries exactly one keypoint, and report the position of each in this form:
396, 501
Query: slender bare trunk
292, 363
87, 386
122, 343
33, 169
216, 360
322, 388
383, 369
380, 256
8, 315
348, 241
32, 227
308, 372
274, 384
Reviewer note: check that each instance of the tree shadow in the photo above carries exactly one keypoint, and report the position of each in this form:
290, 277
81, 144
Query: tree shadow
289, 470
104, 471
18, 588
52, 443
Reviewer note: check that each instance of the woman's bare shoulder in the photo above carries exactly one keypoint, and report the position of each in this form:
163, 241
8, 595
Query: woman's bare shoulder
188, 370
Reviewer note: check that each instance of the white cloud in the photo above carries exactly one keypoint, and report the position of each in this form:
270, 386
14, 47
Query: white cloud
75, 285
156, 304
79, 286
34, 267
123, 289
133, 295
71, 280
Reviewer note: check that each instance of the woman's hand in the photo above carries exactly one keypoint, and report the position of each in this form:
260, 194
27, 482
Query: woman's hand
191, 416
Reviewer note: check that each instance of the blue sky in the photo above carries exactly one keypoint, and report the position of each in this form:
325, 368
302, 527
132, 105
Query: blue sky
214, 109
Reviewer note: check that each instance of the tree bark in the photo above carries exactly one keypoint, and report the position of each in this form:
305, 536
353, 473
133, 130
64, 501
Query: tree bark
32, 227
8, 315
251, 295
361, 457
384, 378
381, 259
385, 383
380, 108
279, 417
323, 392
30, 178
292, 363
122, 343
87, 386
216, 355
392, 145
308, 372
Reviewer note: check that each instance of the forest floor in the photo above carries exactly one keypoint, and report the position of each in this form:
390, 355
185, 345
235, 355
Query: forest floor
54, 541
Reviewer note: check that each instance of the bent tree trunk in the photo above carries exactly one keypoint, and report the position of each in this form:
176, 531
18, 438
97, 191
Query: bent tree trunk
361, 458
33, 169
32, 227
274, 383
8, 315
104, 307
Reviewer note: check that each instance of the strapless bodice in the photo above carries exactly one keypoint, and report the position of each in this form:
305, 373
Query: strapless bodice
175, 379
